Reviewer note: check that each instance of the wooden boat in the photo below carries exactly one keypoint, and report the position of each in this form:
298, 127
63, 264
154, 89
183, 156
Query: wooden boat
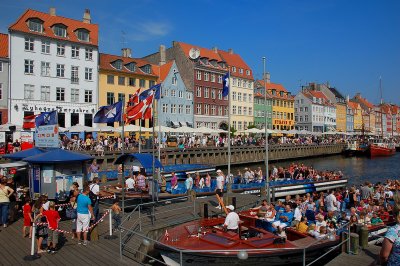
381, 149
355, 149
203, 242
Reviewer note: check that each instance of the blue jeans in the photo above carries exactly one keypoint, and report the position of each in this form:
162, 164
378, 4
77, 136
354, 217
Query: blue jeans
4, 207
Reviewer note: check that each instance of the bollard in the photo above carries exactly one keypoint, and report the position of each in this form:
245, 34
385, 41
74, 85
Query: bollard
354, 243
33, 255
364, 237
263, 193
204, 210
110, 236
344, 236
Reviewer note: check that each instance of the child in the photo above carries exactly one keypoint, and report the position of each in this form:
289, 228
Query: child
116, 214
53, 218
376, 220
27, 211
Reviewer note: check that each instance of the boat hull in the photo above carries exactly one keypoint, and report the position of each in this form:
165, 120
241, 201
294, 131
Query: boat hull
379, 151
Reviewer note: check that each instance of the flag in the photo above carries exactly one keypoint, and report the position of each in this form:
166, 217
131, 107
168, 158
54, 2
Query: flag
156, 88
225, 85
46, 118
109, 113
134, 99
142, 110
29, 121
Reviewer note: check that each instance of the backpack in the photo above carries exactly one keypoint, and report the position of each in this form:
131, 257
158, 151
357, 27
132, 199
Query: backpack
92, 196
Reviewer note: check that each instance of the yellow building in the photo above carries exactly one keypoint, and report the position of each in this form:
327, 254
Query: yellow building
368, 113
121, 76
282, 107
358, 118
341, 117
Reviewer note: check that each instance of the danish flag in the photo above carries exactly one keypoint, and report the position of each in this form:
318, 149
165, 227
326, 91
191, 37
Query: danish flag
133, 100
29, 121
142, 110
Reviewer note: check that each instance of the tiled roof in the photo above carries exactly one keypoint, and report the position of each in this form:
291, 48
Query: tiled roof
336, 93
107, 59
3, 45
164, 70
319, 95
21, 25
363, 102
353, 105
236, 61
204, 52
278, 88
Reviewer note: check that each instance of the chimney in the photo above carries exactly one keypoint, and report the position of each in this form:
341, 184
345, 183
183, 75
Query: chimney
230, 50
52, 11
347, 98
174, 43
267, 77
162, 55
215, 49
358, 95
126, 52
86, 16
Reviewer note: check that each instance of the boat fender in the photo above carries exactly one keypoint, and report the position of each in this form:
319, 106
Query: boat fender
278, 241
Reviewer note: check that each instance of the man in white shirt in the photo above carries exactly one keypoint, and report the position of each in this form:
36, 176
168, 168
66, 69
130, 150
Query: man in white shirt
220, 185
95, 189
331, 202
130, 183
232, 219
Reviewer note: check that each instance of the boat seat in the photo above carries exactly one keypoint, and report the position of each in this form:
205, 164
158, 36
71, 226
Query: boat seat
293, 235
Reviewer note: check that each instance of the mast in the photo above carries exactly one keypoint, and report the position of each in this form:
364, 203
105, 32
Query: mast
266, 135
123, 152
229, 123
380, 108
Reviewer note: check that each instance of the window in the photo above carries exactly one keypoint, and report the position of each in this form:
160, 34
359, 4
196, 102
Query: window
188, 96
213, 109
239, 96
60, 49
188, 109
174, 80
248, 72
212, 77
206, 109
121, 97
198, 108
235, 125
233, 69
74, 74
173, 93
198, 75
60, 70
146, 69
1, 66
180, 94
60, 94
45, 93
74, 95
180, 109
60, 31
110, 79
121, 80
198, 92
244, 110
241, 70
28, 66
74, 119
45, 69
206, 76
173, 108
142, 83
29, 44
245, 97
164, 108
35, 25
29, 92
250, 111
110, 98
212, 93
250, 97
239, 110
234, 82
45, 47
234, 96
220, 110
89, 54
83, 35
234, 109
151, 83
88, 74
220, 79
131, 66
219, 94
1, 92
206, 92
132, 82
239, 83
74, 51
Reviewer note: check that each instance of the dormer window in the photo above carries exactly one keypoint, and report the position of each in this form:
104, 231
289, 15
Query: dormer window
248, 72
83, 35
204, 61
274, 92
214, 63
131, 67
117, 64
36, 25
314, 99
234, 69
241, 70
281, 93
60, 30
146, 69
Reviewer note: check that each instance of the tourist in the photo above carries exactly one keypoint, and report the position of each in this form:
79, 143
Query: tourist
352, 198
52, 218
376, 220
13, 207
5, 193
116, 214
85, 214
390, 252
174, 181
93, 170
331, 202
189, 183
320, 221
297, 214
302, 226
41, 230
16, 146
208, 181
73, 206
247, 175
141, 182
220, 186
28, 219
163, 184
353, 223
130, 183
270, 214
232, 220
201, 182
366, 191
285, 219
94, 197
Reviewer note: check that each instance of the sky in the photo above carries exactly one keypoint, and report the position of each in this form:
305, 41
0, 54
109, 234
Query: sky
348, 43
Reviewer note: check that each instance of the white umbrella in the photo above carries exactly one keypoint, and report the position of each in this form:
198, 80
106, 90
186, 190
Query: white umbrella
204, 130
80, 128
135, 128
62, 129
269, 131
254, 130
293, 131
106, 129
185, 129
218, 130
163, 129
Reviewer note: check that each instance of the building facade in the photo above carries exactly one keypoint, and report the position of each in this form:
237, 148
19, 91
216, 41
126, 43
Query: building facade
313, 111
262, 108
176, 104
357, 116
4, 78
121, 76
54, 67
349, 119
341, 109
368, 113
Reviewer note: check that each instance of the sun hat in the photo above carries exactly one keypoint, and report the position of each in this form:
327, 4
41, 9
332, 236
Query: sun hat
230, 207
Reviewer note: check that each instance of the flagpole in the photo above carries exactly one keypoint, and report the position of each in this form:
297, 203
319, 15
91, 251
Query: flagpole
140, 134
266, 135
229, 123
159, 137
123, 152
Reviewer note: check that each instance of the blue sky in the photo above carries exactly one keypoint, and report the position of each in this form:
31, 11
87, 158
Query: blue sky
350, 43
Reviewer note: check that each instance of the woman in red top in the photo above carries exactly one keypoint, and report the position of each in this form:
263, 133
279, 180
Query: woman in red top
27, 210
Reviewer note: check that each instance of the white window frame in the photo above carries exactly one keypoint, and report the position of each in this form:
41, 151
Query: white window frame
173, 93
212, 77
88, 73
198, 109
180, 94
1, 91
206, 92
198, 75
60, 49
89, 54
198, 91
165, 108
75, 51
45, 47
1, 66
45, 69
75, 74
188, 112
220, 79
29, 67
180, 109
60, 94
29, 92
174, 80
206, 76
88, 96
29, 44
60, 71
45, 93
74, 95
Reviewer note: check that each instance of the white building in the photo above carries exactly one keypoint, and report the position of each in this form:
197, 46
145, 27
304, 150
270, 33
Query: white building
54, 67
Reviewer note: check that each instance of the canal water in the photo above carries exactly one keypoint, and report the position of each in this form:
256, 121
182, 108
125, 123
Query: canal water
356, 169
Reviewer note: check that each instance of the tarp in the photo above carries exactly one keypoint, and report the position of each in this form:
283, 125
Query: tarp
145, 159
24, 154
58, 156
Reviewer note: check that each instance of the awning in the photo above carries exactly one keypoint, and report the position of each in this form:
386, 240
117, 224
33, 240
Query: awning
24, 154
174, 124
189, 124
145, 159
58, 156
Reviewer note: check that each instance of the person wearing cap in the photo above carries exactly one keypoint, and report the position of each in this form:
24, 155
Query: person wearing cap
232, 219
220, 185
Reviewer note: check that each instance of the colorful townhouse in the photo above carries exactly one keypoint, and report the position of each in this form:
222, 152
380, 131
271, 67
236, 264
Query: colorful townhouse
349, 118
357, 116
368, 113
262, 105
341, 109
4, 75
120, 76
54, 67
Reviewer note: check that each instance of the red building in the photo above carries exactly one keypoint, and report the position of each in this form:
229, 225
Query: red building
4, 83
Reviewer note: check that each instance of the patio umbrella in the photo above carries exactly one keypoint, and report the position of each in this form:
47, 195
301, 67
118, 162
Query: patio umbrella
106, 129
185, 129
80, 128
254, 130
134, 128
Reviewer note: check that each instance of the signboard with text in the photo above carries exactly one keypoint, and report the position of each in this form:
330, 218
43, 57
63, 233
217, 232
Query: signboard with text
47, 137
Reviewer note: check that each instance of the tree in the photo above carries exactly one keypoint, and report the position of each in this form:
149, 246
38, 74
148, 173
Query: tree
233, 131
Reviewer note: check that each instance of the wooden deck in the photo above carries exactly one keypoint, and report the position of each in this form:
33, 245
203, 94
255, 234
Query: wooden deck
366, 257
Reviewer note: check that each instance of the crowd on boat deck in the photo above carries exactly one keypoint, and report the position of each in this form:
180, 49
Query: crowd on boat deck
319, 214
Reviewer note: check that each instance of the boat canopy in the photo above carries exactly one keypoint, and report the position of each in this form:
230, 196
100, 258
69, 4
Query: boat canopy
58, 156
145, 159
